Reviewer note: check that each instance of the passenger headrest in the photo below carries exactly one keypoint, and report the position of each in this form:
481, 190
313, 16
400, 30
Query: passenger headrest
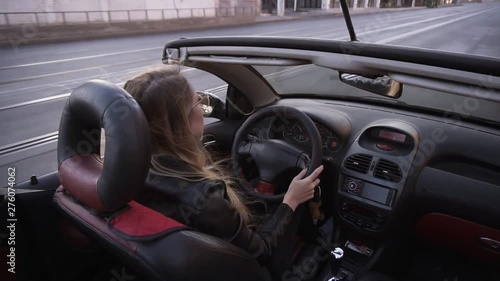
103, 186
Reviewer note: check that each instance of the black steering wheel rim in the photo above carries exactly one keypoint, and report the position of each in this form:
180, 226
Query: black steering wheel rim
286, 113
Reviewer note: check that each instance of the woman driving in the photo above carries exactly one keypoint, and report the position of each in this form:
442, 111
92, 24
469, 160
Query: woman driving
186, 185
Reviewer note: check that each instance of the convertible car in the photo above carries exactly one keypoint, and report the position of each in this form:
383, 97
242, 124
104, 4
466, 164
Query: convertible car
409, 139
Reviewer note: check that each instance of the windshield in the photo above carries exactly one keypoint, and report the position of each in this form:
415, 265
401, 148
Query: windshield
320, 81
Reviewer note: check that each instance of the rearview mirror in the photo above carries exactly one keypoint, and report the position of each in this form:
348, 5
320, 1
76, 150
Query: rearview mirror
215, 107
380, 85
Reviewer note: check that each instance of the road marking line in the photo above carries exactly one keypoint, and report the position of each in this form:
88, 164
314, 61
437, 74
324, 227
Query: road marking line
312, 32
78, 58
393, 38
394, 27
70, 81
98, 67
61, 96
35, 101
29, 143
53, 136
330, 25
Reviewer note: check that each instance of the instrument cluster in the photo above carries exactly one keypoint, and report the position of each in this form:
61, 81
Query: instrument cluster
295, 132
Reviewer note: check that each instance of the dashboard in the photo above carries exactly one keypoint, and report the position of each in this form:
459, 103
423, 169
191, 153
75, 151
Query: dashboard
387, 160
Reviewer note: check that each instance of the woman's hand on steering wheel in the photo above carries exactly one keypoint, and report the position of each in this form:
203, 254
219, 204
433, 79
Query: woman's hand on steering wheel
302, 189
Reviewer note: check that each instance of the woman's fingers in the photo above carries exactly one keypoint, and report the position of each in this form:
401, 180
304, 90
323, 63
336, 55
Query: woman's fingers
305, 186
316, 172
310, 195
315, 182
312, 176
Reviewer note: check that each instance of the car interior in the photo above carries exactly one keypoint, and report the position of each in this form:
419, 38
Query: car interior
409, 139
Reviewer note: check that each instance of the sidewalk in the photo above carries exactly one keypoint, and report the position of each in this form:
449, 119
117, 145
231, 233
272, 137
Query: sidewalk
30, 34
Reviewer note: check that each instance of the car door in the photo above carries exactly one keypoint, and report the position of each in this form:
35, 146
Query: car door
43, 244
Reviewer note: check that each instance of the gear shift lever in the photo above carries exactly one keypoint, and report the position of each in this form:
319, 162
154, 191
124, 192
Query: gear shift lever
335, 263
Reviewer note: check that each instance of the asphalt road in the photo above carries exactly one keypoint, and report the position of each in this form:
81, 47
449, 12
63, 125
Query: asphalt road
35, 80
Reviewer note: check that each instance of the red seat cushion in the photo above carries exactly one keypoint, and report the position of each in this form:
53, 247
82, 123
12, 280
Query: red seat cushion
140, 221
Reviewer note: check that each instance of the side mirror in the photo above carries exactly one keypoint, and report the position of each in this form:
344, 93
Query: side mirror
215, 107
383, 85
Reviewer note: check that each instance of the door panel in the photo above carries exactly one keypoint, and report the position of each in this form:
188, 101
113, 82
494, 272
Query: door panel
47, 247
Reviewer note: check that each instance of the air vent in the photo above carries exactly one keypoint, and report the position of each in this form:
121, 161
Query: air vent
388, 170
358, 162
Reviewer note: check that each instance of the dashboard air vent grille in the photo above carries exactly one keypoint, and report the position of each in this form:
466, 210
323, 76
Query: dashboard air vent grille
388, 170
358, 162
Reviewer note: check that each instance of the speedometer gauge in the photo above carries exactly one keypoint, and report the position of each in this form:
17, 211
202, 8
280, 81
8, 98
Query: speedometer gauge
300, 134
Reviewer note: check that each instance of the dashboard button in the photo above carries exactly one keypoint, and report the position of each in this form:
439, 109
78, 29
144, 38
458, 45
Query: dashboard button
360, 223
385, 146
380, 219
352, 186
345, 207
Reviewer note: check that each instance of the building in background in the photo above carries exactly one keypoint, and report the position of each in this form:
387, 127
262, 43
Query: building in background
302, 5
61, 12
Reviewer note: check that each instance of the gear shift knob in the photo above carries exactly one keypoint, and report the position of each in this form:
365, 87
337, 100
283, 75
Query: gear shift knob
335, 263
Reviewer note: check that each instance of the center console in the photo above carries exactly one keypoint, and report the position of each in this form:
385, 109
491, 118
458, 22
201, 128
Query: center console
372, 180
373, 175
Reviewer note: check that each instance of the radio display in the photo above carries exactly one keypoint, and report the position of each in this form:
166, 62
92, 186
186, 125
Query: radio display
375, 193
392, 136
368, 190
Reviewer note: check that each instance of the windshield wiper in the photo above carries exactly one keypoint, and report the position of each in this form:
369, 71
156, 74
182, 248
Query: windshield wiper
348, 22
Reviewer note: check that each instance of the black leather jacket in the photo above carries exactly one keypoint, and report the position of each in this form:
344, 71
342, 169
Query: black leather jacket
205, 206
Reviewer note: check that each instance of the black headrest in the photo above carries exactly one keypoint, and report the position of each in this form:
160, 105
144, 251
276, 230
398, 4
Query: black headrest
103, 186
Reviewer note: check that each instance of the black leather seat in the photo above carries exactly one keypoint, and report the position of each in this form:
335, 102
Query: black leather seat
98, 196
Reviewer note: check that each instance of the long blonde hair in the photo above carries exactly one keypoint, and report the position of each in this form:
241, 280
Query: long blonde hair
165, 96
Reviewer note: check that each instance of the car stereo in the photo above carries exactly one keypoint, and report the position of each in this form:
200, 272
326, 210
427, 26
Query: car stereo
368, 190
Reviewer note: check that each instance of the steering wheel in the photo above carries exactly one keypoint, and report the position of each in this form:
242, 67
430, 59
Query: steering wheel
273, 157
